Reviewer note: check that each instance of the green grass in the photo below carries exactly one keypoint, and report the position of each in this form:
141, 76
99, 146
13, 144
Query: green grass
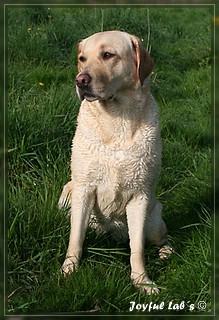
41, 124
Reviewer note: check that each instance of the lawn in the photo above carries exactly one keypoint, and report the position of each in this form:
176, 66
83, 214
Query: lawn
42, 113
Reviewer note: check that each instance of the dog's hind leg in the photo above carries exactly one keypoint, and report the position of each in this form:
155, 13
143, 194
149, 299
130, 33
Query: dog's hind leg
156, 231
65, 198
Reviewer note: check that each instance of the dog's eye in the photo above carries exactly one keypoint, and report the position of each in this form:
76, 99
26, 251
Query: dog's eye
82, 58
107, 55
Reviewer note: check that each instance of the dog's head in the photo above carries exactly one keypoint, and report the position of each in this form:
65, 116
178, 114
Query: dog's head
110, 62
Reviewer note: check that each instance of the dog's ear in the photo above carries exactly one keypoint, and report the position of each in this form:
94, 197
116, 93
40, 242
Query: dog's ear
143, 60
79, 46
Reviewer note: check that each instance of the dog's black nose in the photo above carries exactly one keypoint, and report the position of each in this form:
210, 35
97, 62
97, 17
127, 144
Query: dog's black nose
82, 80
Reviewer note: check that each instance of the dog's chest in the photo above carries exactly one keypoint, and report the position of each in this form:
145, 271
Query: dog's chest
119, 175
117, 167
124, 168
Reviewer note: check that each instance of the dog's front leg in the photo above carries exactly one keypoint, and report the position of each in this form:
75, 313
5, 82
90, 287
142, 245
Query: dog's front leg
136, 211
82, 205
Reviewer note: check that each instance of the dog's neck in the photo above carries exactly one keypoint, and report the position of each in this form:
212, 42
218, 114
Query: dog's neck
119, 119
126, 101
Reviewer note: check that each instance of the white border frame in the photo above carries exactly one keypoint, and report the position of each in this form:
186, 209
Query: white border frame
62, 314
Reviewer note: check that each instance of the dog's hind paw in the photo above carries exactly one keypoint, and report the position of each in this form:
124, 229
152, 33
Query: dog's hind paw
165, 252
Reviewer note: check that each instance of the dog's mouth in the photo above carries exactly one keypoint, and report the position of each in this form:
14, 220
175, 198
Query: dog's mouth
91, 96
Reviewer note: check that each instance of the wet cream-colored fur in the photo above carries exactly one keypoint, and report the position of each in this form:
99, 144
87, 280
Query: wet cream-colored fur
116, 152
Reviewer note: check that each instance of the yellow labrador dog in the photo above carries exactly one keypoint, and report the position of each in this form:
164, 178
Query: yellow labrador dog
116, 151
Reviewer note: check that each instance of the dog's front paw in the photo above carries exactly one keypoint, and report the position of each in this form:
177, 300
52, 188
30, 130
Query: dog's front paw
165, 252
145, 285
147, 288
69, 266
